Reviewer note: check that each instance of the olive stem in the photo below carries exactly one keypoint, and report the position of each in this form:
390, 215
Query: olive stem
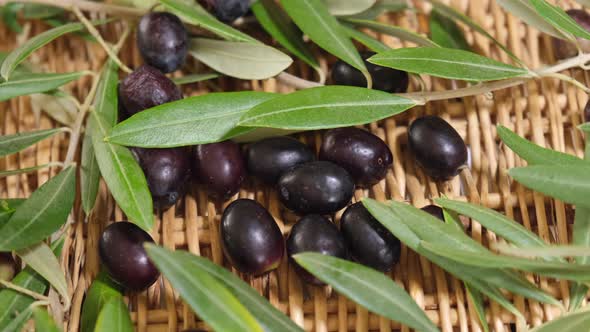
116, 10
25, 291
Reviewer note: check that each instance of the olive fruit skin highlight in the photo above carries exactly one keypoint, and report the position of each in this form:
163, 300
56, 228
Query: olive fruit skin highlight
162, 41
220, 167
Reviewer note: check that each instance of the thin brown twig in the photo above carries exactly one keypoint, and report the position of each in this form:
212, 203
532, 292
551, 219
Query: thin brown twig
23, 290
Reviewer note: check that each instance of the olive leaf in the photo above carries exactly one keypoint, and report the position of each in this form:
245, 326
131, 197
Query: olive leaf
14, 143
325, 107
524, 10
114, 317
57, 104
10, 16
559, 19
197, 15
370, 42
44, 322
446, 33
207, 296
347, 7
572, 322
194, 120
18, 322
194, 78
102, 290
254, 61
313, 18
479, 305
276, 22
33, 11
8, 207
394, 31
367, 287
380, 7
29, 83
452, 218
42, 214
447, 63
89, 174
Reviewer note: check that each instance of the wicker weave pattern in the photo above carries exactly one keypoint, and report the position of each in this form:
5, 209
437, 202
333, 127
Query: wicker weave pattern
545, 111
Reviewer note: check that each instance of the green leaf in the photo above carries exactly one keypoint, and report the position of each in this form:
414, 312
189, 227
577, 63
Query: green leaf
41, 259
44, 322
325, 107
367, 287
559, 19
194, 78
33, 11
194, 120
114, 317
26, 84
19, 321
209, 299
254, 61
394, 31
14, 143
524, 10
446, 33
380, 7
26, 169
581, 236
452, 218
7, 208
550, 251
447, 63
573, 322
478, 304
269, 317
276, 22
42, 214
10, 16
347, 7
89, 174
102, 290
569, 183
370, 42
196, 15
313, 18
58, 105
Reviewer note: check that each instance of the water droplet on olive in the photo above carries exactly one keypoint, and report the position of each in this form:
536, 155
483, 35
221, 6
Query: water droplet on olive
162, 41
269, 158
220, 167
121, 252
316, 187
365, 156
564, 49
251, 239
437, 147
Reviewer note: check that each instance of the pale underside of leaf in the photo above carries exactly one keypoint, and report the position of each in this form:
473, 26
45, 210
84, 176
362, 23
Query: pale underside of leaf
395, 31
346, 7
526, 12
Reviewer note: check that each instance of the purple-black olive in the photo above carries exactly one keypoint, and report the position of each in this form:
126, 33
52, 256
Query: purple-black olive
365, 156
435, 211
162, 40
317, 187
122, 254
316, 234
437, 147
167, 171
144, 88
368, 241
564, 49
229, 10
269, 158
384, 79
251, 239
7, 266
220, 167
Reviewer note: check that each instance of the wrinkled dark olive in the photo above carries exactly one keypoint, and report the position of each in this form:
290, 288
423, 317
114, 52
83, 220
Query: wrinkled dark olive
435, 211
269, 158
437, 147
369, 242
365, 156
316, 234
252, 241
316, 187
7, 266
220, 167
564, 49
146, 87
122, 253
229, 10
384, 79
162, 41
167, 172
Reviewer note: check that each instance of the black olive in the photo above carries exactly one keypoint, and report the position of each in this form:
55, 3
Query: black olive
435, 211
269, 158
384, 79
122, 253
316, 187
368, 241
230, 10
7, 266
162, 41
146, 87
251, 239
564, 49
220, 167
315, 233
365, 156
167, 172
437, 147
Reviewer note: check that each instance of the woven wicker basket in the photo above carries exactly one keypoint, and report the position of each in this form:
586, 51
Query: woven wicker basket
545, 111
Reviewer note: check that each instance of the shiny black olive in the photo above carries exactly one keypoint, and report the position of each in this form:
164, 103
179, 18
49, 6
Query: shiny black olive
435, 211
384, 79
365, 156
146, 87
229, 10
167, 172
269, 158
315, 233
316, 187
220, 167
564, 49
162, 40
368, 241
122, 254
7, 266
251, 239
437, 147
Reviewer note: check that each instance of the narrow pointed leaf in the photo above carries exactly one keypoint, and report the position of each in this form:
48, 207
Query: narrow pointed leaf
212, 301
446, 33
574, 322
114, 317
394, 31
102, 290
447, 63
380, 7
194, 120
581, 236
42, 214
559, 18
525, 11
19, 321
26, 84
89, 174
370, 42
452, 218
367, 287
14, 143
38, 11
57, 105
8, 207
325, 107
194, 78
44, 322
552, 251
478, 304
347, 7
